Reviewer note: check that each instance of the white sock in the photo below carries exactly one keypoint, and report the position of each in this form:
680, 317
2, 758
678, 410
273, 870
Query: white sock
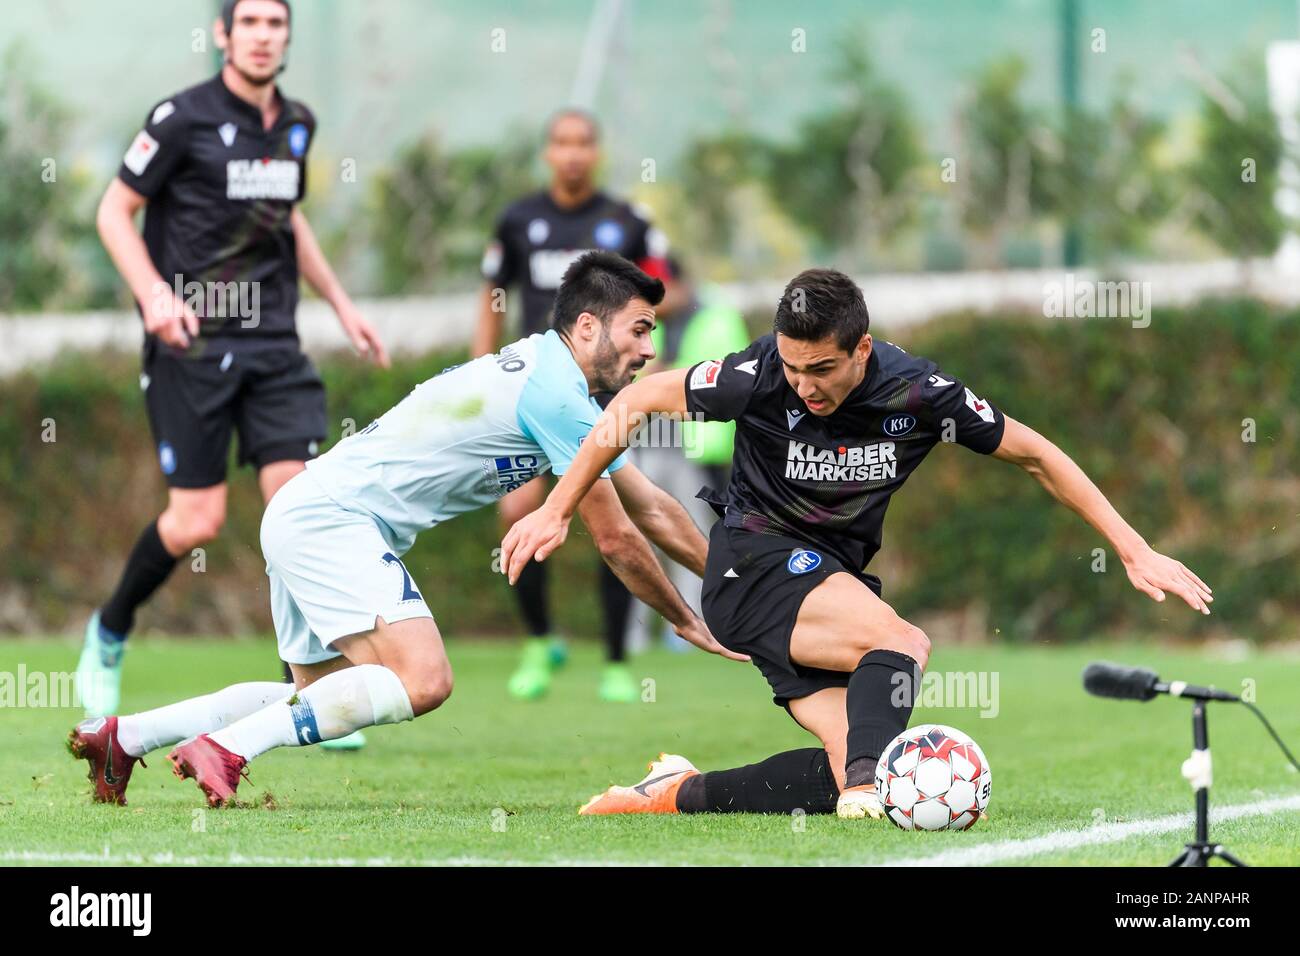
140, 733
332, 707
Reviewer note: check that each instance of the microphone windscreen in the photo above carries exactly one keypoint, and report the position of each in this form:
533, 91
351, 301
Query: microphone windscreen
1104, 679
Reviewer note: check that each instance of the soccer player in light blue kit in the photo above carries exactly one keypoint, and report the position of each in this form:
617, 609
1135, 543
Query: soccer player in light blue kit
350, 621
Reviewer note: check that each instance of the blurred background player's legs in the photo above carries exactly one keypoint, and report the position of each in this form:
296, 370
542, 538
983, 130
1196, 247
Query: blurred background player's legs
192, 518
543, 651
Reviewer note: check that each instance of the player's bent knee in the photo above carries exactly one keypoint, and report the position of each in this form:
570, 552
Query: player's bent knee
912, 641
429, 691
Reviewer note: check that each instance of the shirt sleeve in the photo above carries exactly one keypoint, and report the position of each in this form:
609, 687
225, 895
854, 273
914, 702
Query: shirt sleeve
959, 415
309, 120
648, 246
720, 389
157, 150
558, 422
500, 266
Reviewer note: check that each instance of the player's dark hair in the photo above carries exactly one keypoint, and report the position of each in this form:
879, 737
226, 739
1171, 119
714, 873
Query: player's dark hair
601, 283
228, 12
822, 302
589, 118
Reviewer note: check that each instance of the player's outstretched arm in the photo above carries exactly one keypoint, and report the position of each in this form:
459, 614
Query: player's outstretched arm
315, 268
1149, 571
661, 518
628, 555
540, 533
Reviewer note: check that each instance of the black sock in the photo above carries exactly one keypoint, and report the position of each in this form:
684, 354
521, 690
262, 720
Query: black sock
881, 693
794, 780
147, 567
530, 592
616, 602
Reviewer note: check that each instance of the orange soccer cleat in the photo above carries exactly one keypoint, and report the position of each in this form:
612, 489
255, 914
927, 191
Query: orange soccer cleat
657, 793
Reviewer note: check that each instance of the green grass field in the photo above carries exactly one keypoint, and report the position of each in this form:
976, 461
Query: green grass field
488, 780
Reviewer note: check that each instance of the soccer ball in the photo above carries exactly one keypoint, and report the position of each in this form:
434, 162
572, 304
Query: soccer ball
933, 777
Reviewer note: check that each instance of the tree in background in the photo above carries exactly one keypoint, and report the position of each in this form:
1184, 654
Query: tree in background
1233, 174
1102, 173
434, 208
1002, 162
847, 176
49, 254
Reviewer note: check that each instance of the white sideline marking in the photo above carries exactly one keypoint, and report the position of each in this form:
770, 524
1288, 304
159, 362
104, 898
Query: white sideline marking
1060, 840
106, 856
981, 855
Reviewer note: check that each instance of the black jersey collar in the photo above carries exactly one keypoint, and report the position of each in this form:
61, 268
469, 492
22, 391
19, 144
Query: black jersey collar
250, 112
596, 199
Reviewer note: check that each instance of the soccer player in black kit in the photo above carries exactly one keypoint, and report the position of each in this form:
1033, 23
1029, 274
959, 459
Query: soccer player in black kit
219, 169
536, 239
829, 424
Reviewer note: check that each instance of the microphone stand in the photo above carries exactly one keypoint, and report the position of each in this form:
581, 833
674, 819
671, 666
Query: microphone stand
1196, 769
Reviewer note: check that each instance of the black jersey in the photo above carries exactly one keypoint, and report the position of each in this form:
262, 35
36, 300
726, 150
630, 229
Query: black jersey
536, 241
828, 480
221, 190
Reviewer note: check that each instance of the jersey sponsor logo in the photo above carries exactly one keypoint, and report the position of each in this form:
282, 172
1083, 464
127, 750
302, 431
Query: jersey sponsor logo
898, 425
166, 457
539, 230
547, 266
875, 462
511, 471
980, 407
227, 133
162, 111
608, 234
508, 360
262, 179
141, 153
938, 381
802, 561
493, 256
705, 375
298, 136
749, 368
792, 418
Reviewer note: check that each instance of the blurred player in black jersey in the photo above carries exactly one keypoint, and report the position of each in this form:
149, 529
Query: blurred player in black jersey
829, 424
219, 169
536, 240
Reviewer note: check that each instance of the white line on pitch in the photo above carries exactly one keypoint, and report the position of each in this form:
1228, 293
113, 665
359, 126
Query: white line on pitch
1060, 840
108, 857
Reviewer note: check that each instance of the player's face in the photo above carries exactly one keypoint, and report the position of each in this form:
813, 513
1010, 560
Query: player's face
622, 346
822, 373
572, 151
258, 38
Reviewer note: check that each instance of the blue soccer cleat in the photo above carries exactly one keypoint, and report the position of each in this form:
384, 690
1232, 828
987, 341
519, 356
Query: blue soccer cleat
99, 671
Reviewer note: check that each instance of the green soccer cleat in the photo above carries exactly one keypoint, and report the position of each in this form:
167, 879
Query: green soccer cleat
353, 741
617, 686
558, 650
532, 679
98, 680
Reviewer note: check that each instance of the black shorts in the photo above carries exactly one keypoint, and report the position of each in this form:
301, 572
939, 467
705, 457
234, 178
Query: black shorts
754, 585
271, 395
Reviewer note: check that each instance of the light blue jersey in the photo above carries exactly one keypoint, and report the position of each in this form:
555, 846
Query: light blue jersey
464, 438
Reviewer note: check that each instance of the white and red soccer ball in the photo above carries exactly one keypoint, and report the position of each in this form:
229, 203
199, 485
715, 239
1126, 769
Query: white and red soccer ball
933, 777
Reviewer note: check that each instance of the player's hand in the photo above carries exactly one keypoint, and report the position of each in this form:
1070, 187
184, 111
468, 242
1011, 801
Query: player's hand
362, 335
1154, 574
534, 535
169, 318
697, 632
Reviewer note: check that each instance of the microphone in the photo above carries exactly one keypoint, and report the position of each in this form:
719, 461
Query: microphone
1103, 679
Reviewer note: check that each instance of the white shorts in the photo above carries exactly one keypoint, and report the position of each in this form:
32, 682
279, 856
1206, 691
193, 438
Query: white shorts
332, 572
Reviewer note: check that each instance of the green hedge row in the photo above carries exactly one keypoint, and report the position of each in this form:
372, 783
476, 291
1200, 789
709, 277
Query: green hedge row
1160, 417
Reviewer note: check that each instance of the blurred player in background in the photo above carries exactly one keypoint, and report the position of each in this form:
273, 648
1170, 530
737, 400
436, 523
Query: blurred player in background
219, 169
829, 424
536, 240
687, 455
